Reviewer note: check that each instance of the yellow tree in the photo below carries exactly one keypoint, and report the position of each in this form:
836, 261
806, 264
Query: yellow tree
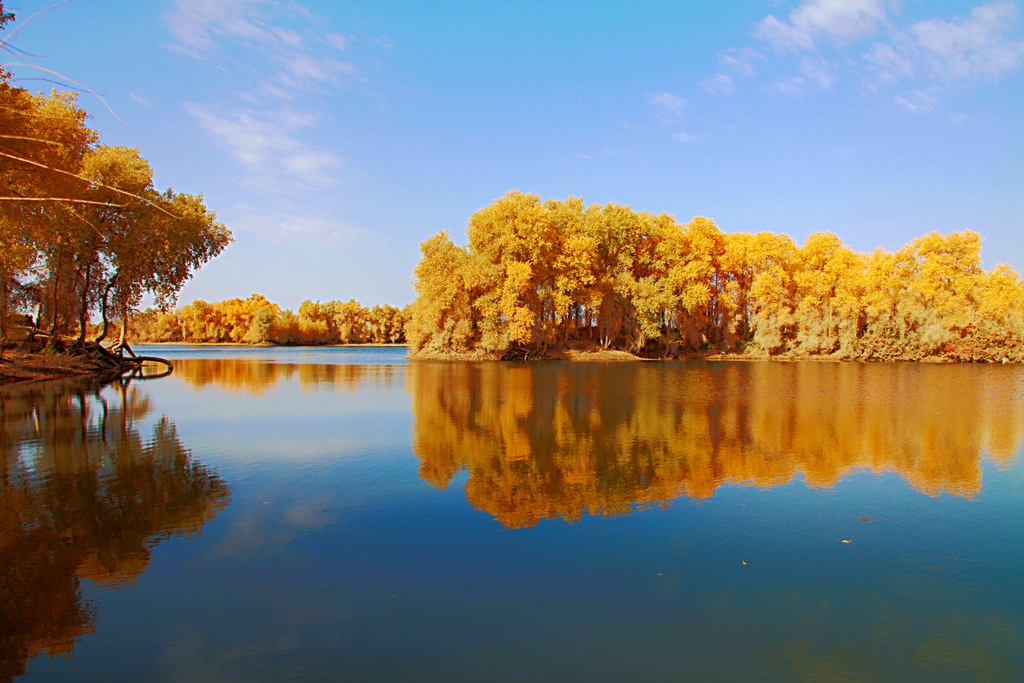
772, 292
351, 322
516, 239
829, 284
42, 141
442, 318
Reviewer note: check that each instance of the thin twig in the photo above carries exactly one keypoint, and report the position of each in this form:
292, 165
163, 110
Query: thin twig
91, 181
92, 92
98, 231
30, 139
61, 199
21, 25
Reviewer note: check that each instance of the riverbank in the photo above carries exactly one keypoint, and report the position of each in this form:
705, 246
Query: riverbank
266, 345
33, 367
596, 354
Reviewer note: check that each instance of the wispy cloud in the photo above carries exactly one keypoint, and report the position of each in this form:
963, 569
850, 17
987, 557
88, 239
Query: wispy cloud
287, 59
197, 25
821, 42
267, 144
841, 21
741, 61
814, 73
915, 101
313, 228
978, 47
666, 104
719, 84
285, 64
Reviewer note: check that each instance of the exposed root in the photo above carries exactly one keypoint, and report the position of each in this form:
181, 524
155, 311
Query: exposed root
90, 358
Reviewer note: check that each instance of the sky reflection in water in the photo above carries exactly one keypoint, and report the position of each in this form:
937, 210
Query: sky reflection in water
408, 521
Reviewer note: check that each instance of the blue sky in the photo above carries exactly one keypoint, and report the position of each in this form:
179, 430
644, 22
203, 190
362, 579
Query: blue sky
334, 137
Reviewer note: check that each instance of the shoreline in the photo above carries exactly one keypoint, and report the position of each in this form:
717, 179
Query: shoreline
617, 356
271, 346
20, 368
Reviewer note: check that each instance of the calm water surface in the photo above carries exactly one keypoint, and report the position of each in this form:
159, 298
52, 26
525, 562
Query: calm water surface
340, 514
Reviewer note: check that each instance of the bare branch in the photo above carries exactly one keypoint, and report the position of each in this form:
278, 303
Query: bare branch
62, 84
93, 182
92, 92
60, 199
90, 224
21, 25
25, 137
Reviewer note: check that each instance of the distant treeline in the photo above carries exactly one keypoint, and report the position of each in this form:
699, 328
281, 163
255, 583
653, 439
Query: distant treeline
256, 320
538, 276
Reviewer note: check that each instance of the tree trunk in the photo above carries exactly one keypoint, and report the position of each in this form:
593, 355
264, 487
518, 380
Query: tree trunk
83, 316
56, 317
5, 292
124, 329
103, 308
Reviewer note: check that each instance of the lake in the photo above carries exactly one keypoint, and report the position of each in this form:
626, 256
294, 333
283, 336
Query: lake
343, 514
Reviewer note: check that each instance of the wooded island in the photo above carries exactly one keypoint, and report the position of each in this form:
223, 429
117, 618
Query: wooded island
541, 277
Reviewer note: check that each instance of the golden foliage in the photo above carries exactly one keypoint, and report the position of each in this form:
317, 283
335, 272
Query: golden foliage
256, 320
82, 229
542, 275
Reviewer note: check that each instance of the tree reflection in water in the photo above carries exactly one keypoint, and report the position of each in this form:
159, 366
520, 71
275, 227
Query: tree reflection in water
256, 376
558, 440
85, 493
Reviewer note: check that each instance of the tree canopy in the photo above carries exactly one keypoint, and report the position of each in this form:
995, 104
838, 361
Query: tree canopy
256, 320
82, 228
541, 275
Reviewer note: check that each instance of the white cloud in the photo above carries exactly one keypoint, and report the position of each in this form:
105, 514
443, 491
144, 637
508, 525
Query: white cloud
336, 40
196, 23
312, 228
719, 84
273, 52
916, 101
978, 47
320, 229
683, 137
742, 61
300, 69
912, 66
286, 59
267, 144
666, 104
815, 73
140, 100
889, 65
841, 21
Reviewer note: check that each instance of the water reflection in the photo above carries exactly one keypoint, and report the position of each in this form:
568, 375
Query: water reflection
86, 491
546, 440
256, 376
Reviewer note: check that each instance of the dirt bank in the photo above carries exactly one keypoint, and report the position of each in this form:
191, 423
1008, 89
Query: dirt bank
28, 367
